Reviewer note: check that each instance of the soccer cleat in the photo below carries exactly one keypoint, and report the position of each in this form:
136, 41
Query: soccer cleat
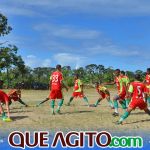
58, 111
119, 122
115, 114
7, 119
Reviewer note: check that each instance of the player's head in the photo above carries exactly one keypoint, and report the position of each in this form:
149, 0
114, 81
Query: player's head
58, 67
137, 77
96, 84
76, 76
122, 73
117, 72
148, 70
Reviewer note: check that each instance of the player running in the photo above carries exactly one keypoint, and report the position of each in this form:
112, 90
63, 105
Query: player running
137, 92
122, 90
56, 84
15, 95
126, 80
104, 93
78, 90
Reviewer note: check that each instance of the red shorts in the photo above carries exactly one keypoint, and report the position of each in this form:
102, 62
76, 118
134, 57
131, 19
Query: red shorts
103, 95
122, 95
3, 97
55, 94
78, 94
137, 103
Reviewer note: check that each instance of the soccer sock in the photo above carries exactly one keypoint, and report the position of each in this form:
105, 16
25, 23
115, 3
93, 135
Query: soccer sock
148, 100
127, 102
116, 106
97, 102
123, 104
52, 104
124, 116
110, 103
71, 99
86, 100
60, 104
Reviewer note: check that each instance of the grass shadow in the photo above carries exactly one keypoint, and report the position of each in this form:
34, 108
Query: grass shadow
15, 118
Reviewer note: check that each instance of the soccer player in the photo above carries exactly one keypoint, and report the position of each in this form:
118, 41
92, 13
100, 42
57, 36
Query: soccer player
4, 99
56, 84
126, 80
78, 90
104, 93
147, 82
121, 87
15, 95
137, 92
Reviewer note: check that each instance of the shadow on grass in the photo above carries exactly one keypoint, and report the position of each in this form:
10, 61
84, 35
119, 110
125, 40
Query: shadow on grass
15, 118
21, 111
78, 112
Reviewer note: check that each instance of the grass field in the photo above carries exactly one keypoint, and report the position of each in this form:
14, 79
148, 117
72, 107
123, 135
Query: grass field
76, 117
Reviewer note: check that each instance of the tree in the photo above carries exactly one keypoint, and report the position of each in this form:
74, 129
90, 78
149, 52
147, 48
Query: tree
4, 27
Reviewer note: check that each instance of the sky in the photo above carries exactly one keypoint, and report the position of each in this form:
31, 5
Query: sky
80, 32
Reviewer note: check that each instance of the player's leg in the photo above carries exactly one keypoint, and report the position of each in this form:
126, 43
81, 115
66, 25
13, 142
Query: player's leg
70, 100
22, 102
115, 100
45, 100
125, 115
110, 102
52, 104
127, 101
60, 103
148, 102
123, 104
98, 101
86, 99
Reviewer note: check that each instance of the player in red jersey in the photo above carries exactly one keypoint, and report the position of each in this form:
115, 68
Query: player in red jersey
126, 80
4, 99
56, 84
122, 90
103, 93
147, 82
78, 90
138, 96
15, 95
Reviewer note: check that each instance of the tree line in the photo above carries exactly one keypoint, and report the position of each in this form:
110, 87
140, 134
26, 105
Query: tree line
13, 69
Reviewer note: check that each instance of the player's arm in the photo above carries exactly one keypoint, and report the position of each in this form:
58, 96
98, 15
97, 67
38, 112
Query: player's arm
8, 110
110, 83
50, 83
65, 86
107, 92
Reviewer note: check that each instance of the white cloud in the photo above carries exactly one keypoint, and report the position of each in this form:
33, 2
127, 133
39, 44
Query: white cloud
67, 31
66, 59
33, 61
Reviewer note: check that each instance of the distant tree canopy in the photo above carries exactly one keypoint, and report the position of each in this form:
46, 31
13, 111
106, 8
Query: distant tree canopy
4, 27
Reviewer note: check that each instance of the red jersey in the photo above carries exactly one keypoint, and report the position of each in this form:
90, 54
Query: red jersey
14, 94
56, 80
120, 84
137, 89
3, 97
147, 79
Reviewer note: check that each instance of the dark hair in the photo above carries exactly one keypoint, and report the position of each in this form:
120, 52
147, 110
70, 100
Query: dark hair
148, 69
76, 75
123, 72
137, 77
58, 66
118, 70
